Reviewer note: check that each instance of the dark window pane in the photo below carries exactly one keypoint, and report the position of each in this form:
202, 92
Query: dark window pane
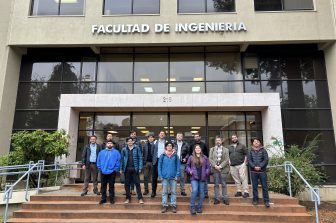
253, 121
188, 124
252, 87
298, 4
251, 67
308, 119
290, 68
225, 87
319, 67
35, 120
269, 69
113, 7
70, 88
226, 120
223, 66
195, 87
42, 72
44, 7
38, 95
85, 121
271, 86
191, 6
144, 123
72, 7
151, 67
146, 7
150, 88
87, 88
116, 68
220, 5
187, 67
114, 88
71, 71
88, 71
307, 68
111, 121
267, 5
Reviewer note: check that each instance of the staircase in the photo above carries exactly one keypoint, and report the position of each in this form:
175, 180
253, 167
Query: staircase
67, 205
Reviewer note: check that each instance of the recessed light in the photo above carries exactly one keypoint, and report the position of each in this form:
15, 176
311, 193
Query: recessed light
149, 89
172, 89
196, 89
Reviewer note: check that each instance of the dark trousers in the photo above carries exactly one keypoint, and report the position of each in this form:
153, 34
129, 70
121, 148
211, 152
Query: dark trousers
147, 174
154, 177
91, 171
110, 179
132, 174
255, 176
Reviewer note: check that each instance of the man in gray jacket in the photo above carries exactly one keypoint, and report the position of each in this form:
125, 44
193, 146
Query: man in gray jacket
238, 162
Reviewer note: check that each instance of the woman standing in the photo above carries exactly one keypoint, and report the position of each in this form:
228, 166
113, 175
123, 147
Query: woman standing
199, 168
258, 160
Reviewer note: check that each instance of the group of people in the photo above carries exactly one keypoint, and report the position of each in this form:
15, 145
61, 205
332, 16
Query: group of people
169, 162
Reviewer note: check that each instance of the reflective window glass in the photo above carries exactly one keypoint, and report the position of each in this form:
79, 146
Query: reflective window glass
44, 7
71, 71
113, 7
146, 6
291, 68
144, 123
268, 5
150, 88
223, 66
151, 67
88, 71
116, 68
269, 68
226, 120
42, 71
298, 4
252, 86
85, 121
303, 119
35, 120
70, 88
220, 5
112, 121
188, 124
114, 88
187, 87
224, 87
191, 6
187, 67
87, 88
253, 121
72, 7
271, 86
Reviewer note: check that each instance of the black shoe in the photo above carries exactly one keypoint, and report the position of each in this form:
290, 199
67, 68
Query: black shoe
146, 192
245, 195
267, 204
153, 195
216, 202
112, 201
238, 194
199, 210
255, 203
206, 195
226, 202
169, 194
174, 209
96, 192
102, 201
164, 209
183, 193
192, 211
84, 193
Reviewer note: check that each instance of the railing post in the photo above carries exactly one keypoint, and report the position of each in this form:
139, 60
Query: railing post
27, 183
40, 168
7, 196
315, 196
289, 170
56, 169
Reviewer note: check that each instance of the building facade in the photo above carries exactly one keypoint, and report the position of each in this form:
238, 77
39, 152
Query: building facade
262, 68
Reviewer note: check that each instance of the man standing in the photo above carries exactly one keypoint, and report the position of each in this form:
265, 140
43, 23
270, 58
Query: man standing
147, 160
159, 148
89, 160
182, 150
197, 141
108, 163
219, 159
238, 162
109, 137
131, 166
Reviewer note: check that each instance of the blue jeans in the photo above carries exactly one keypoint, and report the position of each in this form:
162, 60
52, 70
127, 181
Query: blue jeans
197, 190
220, 178
165, 184
182, 182
255, 180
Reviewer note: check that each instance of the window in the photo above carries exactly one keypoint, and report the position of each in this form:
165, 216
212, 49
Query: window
57, 7
119, 7
283, 5
205, 6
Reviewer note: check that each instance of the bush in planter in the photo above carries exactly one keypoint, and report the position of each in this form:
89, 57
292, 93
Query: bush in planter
302, 158
34, 146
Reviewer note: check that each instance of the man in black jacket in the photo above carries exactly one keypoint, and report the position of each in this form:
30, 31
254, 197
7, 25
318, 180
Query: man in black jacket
147, 160
89, 160
182, 150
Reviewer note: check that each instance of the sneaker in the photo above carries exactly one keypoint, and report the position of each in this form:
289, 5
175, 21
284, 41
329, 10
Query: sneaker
206, 195
216, 202
84, 193
255, 203
174, 209
226, 202
112, 201
153, 195
245, 195
183, 193
192, 211
267, 204
102, 201
238, 194
164, 209
146, 192
141, 201
126, 201
199, 210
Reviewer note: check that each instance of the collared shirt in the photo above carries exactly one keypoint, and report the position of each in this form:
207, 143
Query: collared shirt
179, 148
93, 154
130, 160
161, 147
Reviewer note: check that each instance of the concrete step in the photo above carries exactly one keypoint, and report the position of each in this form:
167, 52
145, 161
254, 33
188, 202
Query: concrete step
153, 214
152, 205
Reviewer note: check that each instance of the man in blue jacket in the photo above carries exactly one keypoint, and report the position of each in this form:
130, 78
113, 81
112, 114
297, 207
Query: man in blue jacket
108, 163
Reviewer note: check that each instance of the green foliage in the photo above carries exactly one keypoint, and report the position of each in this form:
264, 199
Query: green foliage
302, 158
